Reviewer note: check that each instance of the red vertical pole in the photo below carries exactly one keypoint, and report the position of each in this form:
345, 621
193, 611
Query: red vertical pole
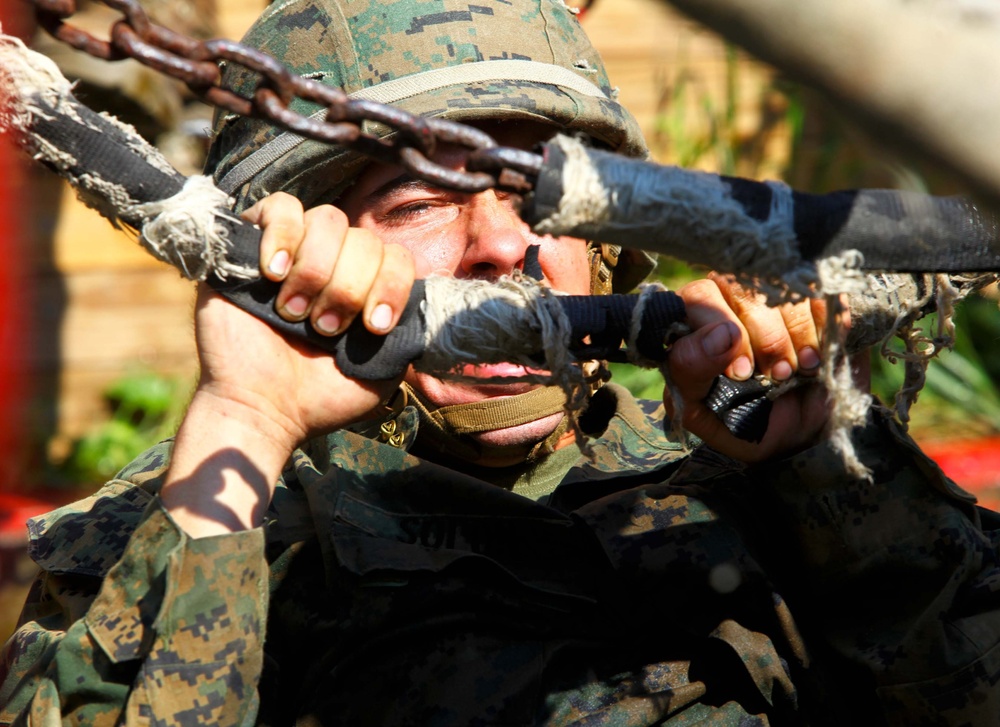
15, 301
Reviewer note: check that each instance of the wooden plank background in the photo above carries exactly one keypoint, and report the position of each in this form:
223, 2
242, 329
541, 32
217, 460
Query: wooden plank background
103, 307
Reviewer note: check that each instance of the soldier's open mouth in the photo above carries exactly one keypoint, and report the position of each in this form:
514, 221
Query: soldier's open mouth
514, 372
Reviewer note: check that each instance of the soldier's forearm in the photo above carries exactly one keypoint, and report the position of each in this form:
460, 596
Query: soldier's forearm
225, 464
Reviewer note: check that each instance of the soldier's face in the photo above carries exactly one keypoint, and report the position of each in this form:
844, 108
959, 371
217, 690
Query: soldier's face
468, 236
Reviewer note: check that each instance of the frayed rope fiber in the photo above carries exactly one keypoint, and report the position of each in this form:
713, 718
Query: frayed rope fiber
109, 165
513, 320
185, 231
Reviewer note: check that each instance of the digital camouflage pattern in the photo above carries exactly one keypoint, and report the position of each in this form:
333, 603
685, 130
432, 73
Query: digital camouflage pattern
360, 44
649, 588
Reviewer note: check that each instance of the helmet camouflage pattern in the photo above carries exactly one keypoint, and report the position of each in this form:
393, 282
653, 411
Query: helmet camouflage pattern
498, 60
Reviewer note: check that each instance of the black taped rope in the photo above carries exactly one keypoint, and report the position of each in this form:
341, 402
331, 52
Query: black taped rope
99, 157
109, 164
755, 228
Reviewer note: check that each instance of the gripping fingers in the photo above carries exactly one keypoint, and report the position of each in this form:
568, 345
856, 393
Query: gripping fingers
391, 289
330, 272
370, 277
804, 321
315, 257
694, 363
281, 218
783, 339
706, 306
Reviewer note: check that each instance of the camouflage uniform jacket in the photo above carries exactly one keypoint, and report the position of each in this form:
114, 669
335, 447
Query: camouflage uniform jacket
649, 588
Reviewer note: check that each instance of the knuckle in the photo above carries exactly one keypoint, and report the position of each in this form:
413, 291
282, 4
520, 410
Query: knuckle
280, 203
396, 274
699, 291
398, 299
346, 298
771, 343
364, 239
746, 298
394, 288
327, 213
285, 198
283, 230
309, 277
400, 254
800, 326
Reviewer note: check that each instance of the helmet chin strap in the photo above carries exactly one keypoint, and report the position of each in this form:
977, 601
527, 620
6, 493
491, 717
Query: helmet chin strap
450, 429
603, 258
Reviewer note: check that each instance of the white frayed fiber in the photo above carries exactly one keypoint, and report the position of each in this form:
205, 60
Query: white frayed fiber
31, 83
185, 231
477, 321
843, 274
849, 408
686, 214
35, 87
512, 319
585, 199
635, 326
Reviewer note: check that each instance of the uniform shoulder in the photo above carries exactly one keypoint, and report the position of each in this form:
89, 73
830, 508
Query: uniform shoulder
88, 536
635, 438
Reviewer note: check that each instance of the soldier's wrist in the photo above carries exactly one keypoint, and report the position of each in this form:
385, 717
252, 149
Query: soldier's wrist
225, 463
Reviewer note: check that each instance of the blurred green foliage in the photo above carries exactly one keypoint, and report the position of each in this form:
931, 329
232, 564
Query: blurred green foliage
698, 129
961, 396
144, 408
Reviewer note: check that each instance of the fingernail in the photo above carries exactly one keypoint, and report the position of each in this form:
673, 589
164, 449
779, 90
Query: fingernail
808, 358
296, 306
781, 371
381, 317
279, 263
328, 323
742, 368
720, 339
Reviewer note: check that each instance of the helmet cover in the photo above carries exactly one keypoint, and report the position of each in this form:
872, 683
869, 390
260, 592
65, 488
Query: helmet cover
495, 61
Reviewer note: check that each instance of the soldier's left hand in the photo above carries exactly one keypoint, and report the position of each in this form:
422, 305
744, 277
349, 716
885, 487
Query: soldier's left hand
735, 333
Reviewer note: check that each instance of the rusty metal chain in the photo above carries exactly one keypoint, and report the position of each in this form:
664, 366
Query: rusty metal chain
196, 64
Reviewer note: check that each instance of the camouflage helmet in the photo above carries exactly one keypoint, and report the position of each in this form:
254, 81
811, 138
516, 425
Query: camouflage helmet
497, 61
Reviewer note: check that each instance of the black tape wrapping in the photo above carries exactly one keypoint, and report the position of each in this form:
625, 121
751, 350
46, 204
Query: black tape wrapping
894, 230
99, 148
93, 146
743, 406
607, 320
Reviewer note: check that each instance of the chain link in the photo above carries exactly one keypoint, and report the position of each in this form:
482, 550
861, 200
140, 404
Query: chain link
196, 64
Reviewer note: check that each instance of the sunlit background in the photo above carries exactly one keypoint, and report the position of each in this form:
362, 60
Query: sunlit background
98, 355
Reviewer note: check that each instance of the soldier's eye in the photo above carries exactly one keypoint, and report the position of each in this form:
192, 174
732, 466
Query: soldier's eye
423, 211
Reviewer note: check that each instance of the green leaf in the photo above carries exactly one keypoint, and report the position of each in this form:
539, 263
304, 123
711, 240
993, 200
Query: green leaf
148, 394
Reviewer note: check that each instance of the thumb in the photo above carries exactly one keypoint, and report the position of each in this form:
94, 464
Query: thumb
698, 358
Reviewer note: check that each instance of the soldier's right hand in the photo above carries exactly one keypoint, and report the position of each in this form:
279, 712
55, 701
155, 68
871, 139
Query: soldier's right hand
259, 394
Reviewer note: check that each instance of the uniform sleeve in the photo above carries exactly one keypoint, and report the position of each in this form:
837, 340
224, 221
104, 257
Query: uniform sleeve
173, 636
898, 574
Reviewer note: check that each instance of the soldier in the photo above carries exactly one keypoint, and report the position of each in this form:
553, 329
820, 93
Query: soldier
302, 552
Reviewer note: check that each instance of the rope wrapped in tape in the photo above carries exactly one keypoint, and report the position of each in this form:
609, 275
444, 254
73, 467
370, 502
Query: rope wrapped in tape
127, 180
130, 183
760, 230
